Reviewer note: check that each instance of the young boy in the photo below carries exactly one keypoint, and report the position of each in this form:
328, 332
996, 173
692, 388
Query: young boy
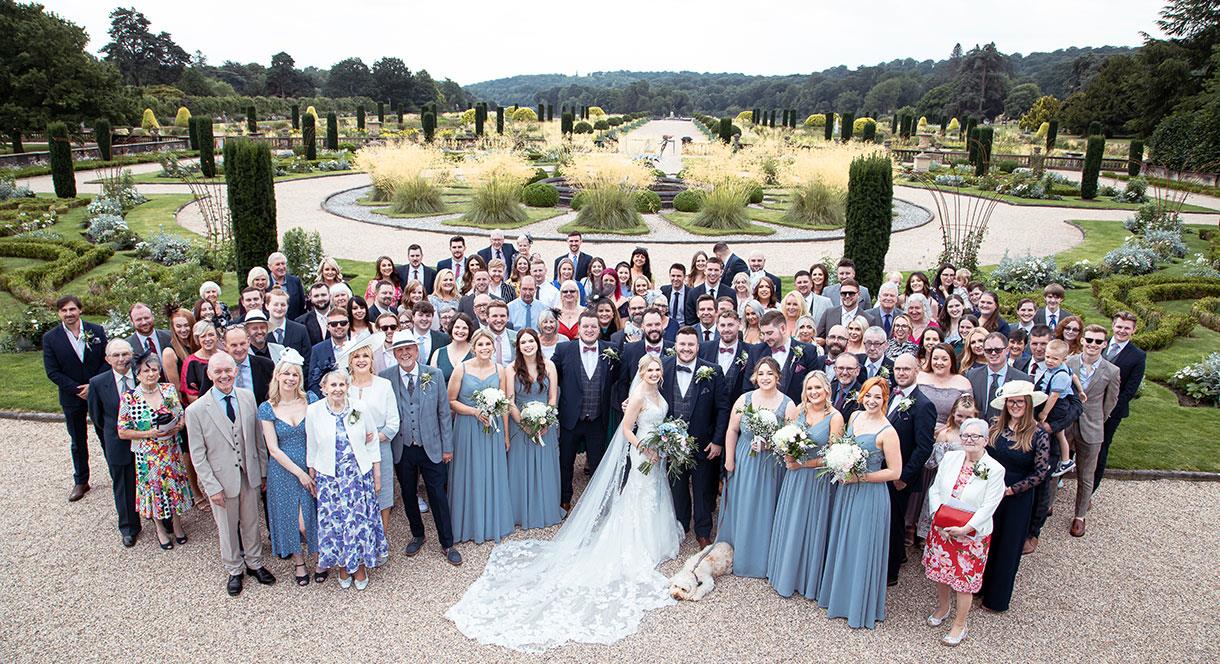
1062, 406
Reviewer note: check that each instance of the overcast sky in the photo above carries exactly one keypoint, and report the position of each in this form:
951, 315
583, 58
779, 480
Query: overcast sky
510, 37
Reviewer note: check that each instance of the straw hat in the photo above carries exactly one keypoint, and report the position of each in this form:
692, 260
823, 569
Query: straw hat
1017, 388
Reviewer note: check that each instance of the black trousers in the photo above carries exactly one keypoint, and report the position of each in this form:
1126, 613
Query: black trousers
1010, 525
413, 463
123, 479
1044, 495
1109, 428
898, 529
75, 418
592, 433
696, 487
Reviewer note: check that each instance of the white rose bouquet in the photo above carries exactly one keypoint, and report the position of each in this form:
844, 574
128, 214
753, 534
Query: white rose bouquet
791, 440
844, 458
761, 423
671, 442
493, 403
536, 416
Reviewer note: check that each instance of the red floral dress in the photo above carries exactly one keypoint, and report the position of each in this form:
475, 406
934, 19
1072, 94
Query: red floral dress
956, 561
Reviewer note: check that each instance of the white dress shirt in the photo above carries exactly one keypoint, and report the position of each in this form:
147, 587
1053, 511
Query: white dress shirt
322, 323
424, 339
588, 358
685, 377
849, 316
548, 295
415, 274
77, 341
725, 360
119, 378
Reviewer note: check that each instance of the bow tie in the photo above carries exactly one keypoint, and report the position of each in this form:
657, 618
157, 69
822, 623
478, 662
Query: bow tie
652, 349
725, 350
781, 349
685, 368
590, 349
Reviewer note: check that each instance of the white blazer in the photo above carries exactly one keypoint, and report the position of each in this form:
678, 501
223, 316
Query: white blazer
320, 437
984, 495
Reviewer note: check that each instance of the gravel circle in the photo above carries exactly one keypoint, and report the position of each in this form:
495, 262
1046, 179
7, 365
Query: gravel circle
1134, 589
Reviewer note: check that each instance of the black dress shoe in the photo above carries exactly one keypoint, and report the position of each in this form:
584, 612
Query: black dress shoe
414, 546
129, 541
234, 585
262, 575
453, 557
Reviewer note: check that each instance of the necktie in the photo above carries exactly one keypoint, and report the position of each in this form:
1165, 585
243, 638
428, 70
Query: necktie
991, 389
1054, 319
498, 255
895, 398
229, 408
499, 351
457, 271
279, 335
529, 314
148, 343
126, 385
885, 322
241, 378
707, 335
673, 307
712, 291
842, 395
411, 384
1112, 351
872, 369
779, 351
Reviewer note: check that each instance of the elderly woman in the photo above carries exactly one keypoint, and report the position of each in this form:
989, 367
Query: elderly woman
918, 314
548, 332
900, 338
965, 494
193, 374
340, 295
1023, 448
918, 284
377, 394
565, 273
209, 291
150, 416
329, 272
344, 460
259, 278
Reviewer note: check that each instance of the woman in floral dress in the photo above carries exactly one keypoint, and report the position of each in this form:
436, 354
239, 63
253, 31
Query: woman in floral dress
150, 416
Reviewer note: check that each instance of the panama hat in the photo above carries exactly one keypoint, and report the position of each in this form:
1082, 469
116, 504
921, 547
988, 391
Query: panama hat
1017, 388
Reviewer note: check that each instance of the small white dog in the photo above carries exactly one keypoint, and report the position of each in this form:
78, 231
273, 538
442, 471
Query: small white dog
698, 575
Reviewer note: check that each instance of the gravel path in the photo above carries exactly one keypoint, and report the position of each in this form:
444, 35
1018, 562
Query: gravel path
1134, 589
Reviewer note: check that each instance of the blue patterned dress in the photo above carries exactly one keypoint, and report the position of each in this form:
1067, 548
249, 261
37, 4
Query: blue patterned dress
533, 469
287, 500
478, 475
748, 501
853, 579
802, 523
350, 533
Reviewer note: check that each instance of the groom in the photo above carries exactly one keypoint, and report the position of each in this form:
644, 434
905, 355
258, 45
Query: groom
694, 391
587, 369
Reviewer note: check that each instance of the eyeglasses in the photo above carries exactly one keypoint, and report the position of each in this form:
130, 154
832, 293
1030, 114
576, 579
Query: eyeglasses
1096, 342
973, 436
336, 323
568, 292
994, 351
874, 344
388, 328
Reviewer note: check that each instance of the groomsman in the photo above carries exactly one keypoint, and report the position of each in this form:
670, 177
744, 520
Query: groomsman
314, 319
845, 311
504, 338
694, 391
322, 355
580, 260
277, 267
795, 359
281, 329
653, 344
72, 353
730, 264
915, 424
846, 269
421, 327
734, 356
415, 270
585, 371
498, 249
1129, 359
986, 381
457, 259
424, 442
676, 293
105, 389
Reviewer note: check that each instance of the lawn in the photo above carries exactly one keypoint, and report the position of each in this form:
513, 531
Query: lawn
1065, 202
532, 216
154, 177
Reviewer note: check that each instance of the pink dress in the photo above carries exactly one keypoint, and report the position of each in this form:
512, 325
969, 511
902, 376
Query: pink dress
956, 561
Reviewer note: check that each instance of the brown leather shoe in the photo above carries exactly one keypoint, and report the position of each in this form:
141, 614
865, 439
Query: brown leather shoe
704, 542
1077, 528
78, 492
1031, 545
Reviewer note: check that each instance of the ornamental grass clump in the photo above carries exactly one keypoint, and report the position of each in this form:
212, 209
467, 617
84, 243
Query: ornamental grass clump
496, 178
817, 180
728, 179
408, 175
608, 182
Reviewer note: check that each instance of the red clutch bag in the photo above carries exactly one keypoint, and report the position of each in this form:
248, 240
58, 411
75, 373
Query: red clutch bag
953, 515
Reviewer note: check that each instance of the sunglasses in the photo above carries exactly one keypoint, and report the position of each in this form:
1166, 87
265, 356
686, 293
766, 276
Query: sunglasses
847, 292
993, 351
336, 323
388, 328
1096, 342
568, 292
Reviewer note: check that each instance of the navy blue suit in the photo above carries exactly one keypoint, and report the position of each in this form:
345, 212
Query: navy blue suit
296, 336
104, 411
631, 352
312, 327
509, 252
321, 360
916, 429
709, 418
66, 369
428, 274
848, 404
792, 374
582, 264
732, 265
737, 378
573, 431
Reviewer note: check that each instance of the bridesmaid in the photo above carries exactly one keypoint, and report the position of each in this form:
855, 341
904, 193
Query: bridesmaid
292, 514
853, 580
798, 538
457, 350
533, 469
754, 477
478, 475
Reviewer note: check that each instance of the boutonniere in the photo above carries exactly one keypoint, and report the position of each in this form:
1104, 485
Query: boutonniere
854, 395
353, 417
798, 352
904, 404
884, 371
704, 373
669, 352
88, 337
742, 358
980, 471
610, 354
424, 380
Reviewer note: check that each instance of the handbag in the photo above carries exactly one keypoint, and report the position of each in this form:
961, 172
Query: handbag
953, 513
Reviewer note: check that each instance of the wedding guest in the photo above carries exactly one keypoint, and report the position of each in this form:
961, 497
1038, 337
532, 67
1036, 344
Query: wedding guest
548, 333
73, 353
359, 323
799, 533
713, 288
340, 296
384, 270
344, 461
504, 338
942, 381
852, 585
457, 261
533, 457
478, 477
913, 418
731, 353
150, 416
445, 316
819, 276
592, 282
292, 513
974, 291
815, 304
181, 345
384, 300
329, 272
875, 362
203, 311
955, 556
611, 289
585, 370
916, 310
1069, 330
457, 350
520, 268
445, 290
423, 444
569, 309
474, 265
580, 259
946, 285
846, 383
751, 314
963, 278
754, 473
764, 292
948, 439
732, 262
1101, 387
500, 289
412, 294
758, 272
844, 270
524, 311
1053, 312
322, 356
986, 380
146, 338
989, 313
698, 263
653, 343
918, 284
972, 353
676, 292
1018, 340
314, 319
806, 330
281, 329
641, 265
929, 339
901, 342
387, 326
607, 319
642, 287
498, 250
195, 367
1024, 450
564, 273
250, 299
415, 270
259, 278
951, 314
793, 307
855, 335
1025, 316
106, 391
848, 308
377, 395
421, 318
231, 460
209, 291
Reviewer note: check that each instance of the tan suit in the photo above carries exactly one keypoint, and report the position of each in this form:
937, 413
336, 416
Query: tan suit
1088, 432
231, 458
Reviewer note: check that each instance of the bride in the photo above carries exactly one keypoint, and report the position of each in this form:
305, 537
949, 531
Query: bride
595, 580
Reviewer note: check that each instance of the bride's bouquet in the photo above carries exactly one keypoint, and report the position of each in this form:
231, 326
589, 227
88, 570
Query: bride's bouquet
493, 403
844, 458
791, 440
536, 416
671, 442
761, 423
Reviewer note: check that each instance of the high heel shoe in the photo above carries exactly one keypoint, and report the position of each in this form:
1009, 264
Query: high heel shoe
302, 579
320, 576
180, 539
345, 582
362, 584
936, 622
953, 641
166, 545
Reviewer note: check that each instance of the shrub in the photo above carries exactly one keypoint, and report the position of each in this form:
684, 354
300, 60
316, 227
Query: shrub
303, 249
148, 121
1052, 134
540, 195
1154, 215
1166, 243
1132, 258
9, 189
62, 173
816, 120
496, 178
1085, 270
1007, 166
157, 286
110, 229
428, 122
360, 117
104, 139
724, 207
164, 248
24, 332
757, 194
647, 201
416, 196
869, 216
614, 121
527, 114
102, 205
581, 127
601, 125
579, 199
1201, 380
207, 147
953, 127
1136, 191
725, 130
295, 115
539, 174
1092, 166
608, 184
1026, 273
690, 200
828, 129
565, 124
816, 204
1135, 157
1199, 266
309, 136
332, 132
251, 193
861, 126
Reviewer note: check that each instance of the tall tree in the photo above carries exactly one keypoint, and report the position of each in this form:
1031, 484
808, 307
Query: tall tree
284, 80
349, 78
452, 96
142, 57
982, 83
392, 81
1020, 99
423, 88
1189, 18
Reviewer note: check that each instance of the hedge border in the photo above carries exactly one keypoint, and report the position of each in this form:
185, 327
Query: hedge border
1140, 295
66, 260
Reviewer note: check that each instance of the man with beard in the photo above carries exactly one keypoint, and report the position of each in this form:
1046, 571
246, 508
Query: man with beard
734, 356
845, 384
653, 343
314, 320
632, 325
875, 361
256, 330
836, 343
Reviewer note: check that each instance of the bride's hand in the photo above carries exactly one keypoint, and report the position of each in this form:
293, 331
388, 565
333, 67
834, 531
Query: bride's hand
652, 456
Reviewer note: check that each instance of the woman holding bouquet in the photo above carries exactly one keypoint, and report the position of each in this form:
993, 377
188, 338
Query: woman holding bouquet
478, 475
533, 456
754, 472
798, 538
853, 580
972, 483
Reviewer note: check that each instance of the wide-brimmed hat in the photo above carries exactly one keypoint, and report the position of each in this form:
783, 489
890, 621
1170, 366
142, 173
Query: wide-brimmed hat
371, 342
404, 338
1017, 388
254, 316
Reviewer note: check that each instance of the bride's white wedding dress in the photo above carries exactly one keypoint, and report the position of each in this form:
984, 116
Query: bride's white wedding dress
595, 580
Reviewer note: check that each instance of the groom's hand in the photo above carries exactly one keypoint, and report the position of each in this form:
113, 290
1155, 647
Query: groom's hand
713, 450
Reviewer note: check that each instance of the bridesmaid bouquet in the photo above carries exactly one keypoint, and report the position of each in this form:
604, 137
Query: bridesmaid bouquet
493, 403
791, 440
536, 416
671, 442
761, 423
844, 458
